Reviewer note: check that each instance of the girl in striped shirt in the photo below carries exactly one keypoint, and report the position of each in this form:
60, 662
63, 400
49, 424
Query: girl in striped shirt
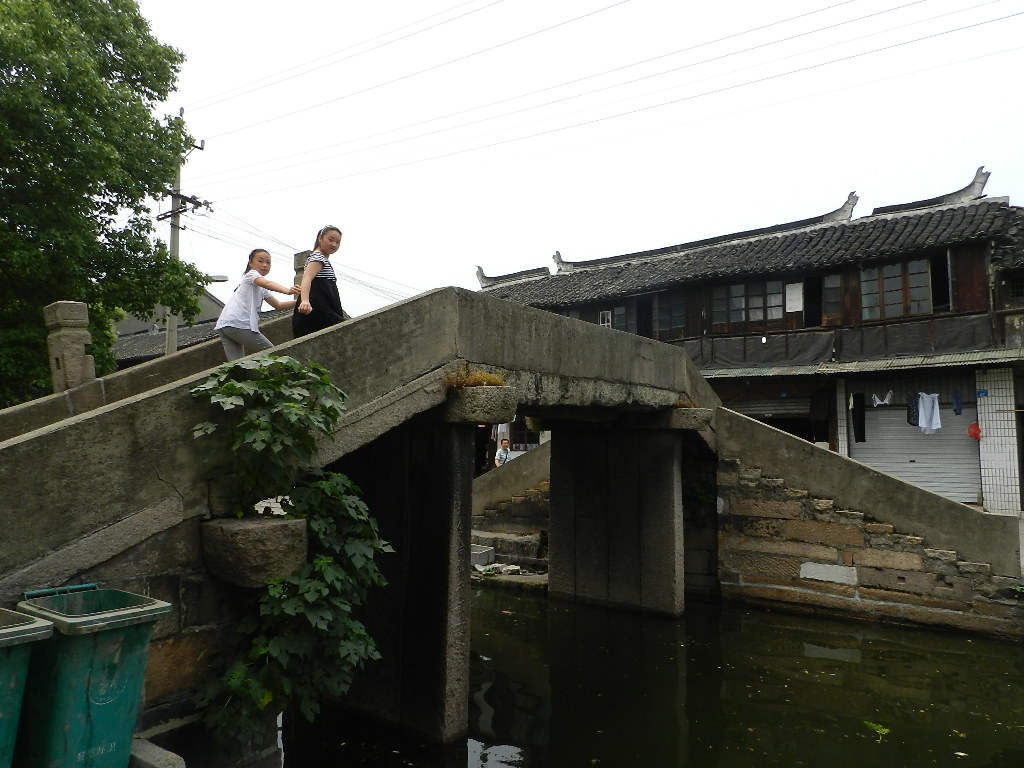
319, 304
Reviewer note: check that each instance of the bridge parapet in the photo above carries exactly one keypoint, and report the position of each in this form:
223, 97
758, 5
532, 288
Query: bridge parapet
116, 493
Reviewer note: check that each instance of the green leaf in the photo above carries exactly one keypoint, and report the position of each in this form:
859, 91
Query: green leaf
302, 641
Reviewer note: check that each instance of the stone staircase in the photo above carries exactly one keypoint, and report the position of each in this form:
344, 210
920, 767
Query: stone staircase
516, 529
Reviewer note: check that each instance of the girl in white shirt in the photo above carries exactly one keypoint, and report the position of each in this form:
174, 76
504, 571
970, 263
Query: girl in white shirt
239, 321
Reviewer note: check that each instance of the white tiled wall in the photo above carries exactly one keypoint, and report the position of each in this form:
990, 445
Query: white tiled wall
842, 420
1000, 481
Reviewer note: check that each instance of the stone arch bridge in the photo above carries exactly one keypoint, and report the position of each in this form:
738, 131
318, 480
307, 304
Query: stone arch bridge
102, 483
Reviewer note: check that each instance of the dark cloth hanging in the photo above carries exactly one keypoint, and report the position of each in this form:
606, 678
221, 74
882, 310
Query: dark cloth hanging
857, 414
958, 402
821, 404
912, 412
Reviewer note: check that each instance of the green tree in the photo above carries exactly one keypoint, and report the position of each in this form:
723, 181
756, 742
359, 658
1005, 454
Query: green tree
81, 151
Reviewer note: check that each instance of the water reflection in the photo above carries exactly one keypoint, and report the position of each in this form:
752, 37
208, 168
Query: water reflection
568, 685
555, 685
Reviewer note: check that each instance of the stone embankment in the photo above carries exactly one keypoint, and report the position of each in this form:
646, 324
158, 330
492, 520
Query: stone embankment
783, 545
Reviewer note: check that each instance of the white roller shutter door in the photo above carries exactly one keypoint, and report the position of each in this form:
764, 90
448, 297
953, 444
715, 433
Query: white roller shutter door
947, 462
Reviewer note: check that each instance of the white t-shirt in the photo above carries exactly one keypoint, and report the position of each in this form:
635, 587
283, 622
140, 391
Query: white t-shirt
242, 309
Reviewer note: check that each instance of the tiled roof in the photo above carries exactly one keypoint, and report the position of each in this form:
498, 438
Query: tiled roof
799, 249
135, 348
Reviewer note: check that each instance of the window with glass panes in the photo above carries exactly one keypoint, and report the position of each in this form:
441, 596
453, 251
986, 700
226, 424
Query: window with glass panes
624, 319
831, 297
895, 290
670, 319
758, 302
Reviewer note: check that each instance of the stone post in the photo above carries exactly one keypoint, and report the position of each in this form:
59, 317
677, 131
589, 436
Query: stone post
417, 480
68, 323
299, 263
615, 533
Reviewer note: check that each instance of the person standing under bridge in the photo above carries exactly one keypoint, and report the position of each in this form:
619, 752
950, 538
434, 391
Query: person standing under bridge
319, 304
502, 456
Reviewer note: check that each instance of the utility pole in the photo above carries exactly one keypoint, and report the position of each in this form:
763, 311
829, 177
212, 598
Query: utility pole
179, 204
172, 320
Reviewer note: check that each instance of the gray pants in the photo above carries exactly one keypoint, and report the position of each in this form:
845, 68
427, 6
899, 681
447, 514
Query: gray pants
238, 342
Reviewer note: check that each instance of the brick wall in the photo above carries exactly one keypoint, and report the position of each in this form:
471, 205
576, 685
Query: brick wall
779, 544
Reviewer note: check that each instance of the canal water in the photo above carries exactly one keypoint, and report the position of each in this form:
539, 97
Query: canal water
556, 684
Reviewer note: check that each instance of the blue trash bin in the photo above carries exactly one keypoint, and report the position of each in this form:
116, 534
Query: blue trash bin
85, 682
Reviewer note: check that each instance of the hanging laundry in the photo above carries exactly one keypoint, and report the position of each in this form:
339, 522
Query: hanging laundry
857, 416
958, 402
912, 414
821, 405
928, 413
877, 401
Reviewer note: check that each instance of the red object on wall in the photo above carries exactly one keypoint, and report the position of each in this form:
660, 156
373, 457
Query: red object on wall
974, 431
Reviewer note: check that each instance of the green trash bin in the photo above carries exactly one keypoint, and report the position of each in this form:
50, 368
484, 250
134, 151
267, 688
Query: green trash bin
84, 683
17, 630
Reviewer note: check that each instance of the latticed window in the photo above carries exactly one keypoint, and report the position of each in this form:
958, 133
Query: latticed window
670, 320
831, 296
1016, 287
759, 303
895, 290
624, 318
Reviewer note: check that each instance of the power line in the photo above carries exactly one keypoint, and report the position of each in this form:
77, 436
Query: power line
690, 65
343, 272
422, 71
563, 84
223, 97
638, 110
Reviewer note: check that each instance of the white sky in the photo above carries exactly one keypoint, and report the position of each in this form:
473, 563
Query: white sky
444, 134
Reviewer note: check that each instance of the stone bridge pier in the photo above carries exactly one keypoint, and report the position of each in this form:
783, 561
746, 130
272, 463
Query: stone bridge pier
615, 532
615, 539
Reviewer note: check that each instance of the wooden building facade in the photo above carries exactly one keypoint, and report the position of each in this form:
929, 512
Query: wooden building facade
833, 328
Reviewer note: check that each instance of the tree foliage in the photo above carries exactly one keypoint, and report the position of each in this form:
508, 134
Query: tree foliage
81, 152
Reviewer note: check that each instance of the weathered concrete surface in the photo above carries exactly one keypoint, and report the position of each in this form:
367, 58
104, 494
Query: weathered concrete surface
146, 754
81, 475
115, 494
250, 552
482, 405
913, 511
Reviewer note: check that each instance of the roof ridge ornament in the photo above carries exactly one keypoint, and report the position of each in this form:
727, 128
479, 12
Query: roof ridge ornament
976, 188
562, 266
843, 212
513, 277
973, 191
483, 279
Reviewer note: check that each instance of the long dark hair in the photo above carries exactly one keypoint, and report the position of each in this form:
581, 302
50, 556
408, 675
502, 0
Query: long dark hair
328, 228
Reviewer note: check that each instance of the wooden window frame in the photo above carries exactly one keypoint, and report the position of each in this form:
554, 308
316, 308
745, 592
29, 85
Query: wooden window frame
670, 315
896, 290
757, 305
